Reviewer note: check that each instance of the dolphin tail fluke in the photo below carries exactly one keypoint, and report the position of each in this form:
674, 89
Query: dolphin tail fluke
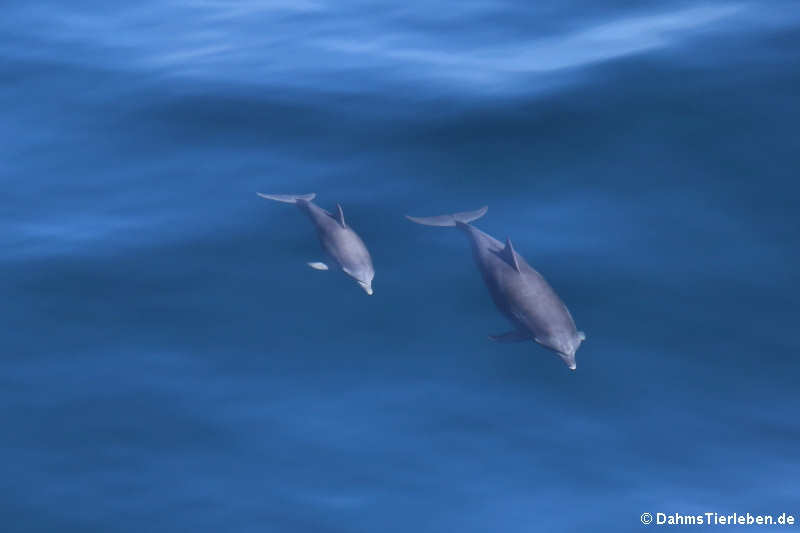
450, 220
288, 198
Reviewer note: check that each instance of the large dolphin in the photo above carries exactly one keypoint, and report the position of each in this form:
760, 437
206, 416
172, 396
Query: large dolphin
519, 292
340, 243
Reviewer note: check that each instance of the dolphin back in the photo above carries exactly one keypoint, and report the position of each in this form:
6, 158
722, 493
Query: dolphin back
288, 198
464, 217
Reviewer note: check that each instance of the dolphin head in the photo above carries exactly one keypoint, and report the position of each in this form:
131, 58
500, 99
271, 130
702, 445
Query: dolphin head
362, 276
569, 359
367, 286
567, 348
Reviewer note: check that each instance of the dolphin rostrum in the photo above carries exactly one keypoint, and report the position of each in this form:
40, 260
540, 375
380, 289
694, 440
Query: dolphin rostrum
519, 292
340, 243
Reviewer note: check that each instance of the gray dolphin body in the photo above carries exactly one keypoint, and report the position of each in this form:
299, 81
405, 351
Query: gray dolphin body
521, 294
341, 244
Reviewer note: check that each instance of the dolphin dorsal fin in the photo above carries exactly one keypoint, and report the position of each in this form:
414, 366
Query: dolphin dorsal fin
339, 216
509, 254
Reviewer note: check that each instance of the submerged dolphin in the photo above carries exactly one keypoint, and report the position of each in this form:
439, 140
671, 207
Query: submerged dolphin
519, 292
340, 242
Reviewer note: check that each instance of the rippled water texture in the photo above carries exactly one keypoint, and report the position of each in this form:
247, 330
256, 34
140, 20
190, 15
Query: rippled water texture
171, 364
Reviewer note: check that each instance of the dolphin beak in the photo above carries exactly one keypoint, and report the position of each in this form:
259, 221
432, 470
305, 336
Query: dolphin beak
366, 286
569, 359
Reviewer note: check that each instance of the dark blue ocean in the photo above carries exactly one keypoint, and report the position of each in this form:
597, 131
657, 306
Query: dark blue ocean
171, 364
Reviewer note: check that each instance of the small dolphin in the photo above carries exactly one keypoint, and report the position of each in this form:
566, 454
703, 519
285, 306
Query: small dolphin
340, 242
519, 292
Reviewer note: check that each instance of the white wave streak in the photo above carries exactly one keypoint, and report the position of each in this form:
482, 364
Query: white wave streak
603, 42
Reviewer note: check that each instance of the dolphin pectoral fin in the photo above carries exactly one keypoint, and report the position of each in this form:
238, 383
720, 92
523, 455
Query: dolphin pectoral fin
511, 336
510, 255
581, 336
318, 266
536, 340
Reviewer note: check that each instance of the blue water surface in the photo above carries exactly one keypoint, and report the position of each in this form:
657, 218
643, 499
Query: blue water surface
171, 364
